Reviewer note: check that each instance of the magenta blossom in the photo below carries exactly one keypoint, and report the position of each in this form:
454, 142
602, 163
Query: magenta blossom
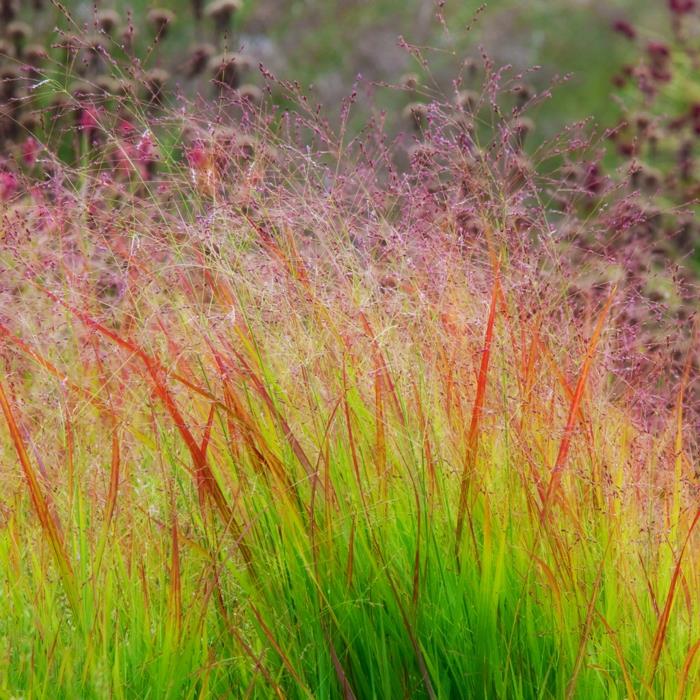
30, 151
622, 26
88, 119
9, 185
197, 155
681, 7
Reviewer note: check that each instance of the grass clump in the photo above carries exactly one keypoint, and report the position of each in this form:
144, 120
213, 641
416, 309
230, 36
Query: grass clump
292, 413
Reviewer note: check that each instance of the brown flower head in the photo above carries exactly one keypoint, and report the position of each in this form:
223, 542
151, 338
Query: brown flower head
18, 33
35, 55
522, 128
107, 20
409, 81
199, 58
10, 79
70, 43
523, 93
160, 20
227, 68
154, 83
106, 84
198, 9
222, 12
416, 114
8, 10
30, 122
95, 51
250, 94
467, 100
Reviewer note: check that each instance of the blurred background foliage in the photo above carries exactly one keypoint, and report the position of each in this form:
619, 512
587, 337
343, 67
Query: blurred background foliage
326, 44
624, 66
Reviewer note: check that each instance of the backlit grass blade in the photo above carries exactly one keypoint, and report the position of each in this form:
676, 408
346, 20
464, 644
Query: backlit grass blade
662, 628
111, 499
565, 444
41, 507
206, 482
687, 665
473, 435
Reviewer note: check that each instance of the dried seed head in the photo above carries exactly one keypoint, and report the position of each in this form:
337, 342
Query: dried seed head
521, 129
128, 36
154, 82
593, 178
644, 178
107, 20
81, 92
8, 123
198, 8
106, 84
245, 146
224, 137
30, 122
520, 170
570, 173
18, 33
60, 104
250, 94
70, 43
160, 20
96, 48
388, 282
199, 58
416, 114
469, 226
623, 27
222, 12
35, 55
227, 68
523, 93
9, 82
123, 87
467, 130
686, 234
409, 81
8, 10
686, 161
470, 68
467, 100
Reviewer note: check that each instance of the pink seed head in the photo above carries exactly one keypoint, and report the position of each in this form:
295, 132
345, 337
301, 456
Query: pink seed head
88, 118
9, 185
658, 51
681, 7
197, 155
30, 151
622, 26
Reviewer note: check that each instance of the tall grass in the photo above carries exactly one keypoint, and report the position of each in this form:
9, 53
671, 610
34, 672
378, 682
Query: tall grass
285, 420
